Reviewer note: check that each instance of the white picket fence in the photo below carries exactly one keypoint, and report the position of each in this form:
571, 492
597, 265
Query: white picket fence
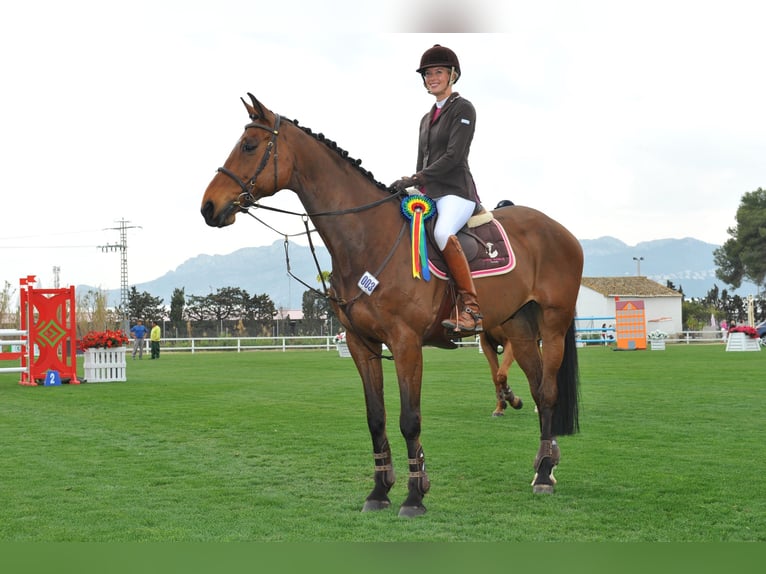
105, 365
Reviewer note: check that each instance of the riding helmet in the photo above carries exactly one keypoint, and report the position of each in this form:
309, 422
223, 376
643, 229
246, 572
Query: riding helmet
439, 55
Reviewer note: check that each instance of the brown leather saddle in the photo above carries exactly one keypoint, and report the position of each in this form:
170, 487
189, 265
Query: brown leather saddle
485, 244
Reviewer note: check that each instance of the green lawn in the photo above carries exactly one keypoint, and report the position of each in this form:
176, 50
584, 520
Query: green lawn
272, 446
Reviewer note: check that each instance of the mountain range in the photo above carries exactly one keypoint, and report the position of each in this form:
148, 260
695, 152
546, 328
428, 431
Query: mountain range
687, 263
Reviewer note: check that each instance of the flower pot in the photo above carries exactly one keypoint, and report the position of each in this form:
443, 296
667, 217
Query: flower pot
742, 342
657, 344
343, 350
105, 365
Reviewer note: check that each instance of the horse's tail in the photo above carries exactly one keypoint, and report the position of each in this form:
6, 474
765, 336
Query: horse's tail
565, 415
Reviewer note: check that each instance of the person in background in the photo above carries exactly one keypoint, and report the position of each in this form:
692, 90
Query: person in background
139, 334
154, 340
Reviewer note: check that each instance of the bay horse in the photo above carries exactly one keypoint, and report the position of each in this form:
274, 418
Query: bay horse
377, 299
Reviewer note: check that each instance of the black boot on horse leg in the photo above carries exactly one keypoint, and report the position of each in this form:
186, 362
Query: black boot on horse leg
467, 318
418, 484
546, 460
384, 480
505, 397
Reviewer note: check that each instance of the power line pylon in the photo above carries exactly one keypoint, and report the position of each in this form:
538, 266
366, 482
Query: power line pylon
122, 247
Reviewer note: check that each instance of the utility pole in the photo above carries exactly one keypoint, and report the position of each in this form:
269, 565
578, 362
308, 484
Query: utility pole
122, 247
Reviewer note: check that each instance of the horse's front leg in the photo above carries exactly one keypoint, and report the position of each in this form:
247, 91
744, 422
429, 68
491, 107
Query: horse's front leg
499, 372
409, 370
371, 371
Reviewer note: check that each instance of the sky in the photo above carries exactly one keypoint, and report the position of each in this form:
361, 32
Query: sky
639, 121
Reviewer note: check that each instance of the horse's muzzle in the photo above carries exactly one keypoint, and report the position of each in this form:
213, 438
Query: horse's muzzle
222, 219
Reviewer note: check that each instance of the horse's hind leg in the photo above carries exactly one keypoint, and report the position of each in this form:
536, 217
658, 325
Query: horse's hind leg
499, 372
540, 365
556, 396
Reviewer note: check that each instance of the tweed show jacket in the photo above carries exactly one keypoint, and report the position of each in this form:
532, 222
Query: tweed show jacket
443, 149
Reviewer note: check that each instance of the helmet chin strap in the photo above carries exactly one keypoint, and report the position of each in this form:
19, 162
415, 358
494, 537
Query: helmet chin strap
452, 78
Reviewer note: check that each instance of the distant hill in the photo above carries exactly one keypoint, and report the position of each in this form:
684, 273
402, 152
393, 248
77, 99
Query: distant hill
687, 263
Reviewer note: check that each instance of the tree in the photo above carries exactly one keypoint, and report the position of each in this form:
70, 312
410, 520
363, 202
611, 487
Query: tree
6, 295
144, 306
198, 308
226, 304
315, 306
92, 312
229, 303
743, 255
262, 310
177, 303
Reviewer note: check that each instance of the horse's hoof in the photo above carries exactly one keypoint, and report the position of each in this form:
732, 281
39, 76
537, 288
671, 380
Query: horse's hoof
412, 511
518, 404
373, 505
498, 414
542, 489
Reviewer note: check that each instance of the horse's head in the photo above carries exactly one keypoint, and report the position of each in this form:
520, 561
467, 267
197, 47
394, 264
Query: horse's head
250, 172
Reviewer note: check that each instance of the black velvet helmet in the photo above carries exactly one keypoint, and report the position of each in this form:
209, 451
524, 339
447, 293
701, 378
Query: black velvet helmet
438, 56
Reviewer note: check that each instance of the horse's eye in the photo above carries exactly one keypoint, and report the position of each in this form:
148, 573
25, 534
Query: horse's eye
248, 146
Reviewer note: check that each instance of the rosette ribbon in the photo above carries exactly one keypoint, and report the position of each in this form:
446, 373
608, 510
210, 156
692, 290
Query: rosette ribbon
418, 209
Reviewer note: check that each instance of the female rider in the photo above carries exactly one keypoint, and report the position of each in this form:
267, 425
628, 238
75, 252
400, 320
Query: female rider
442, 174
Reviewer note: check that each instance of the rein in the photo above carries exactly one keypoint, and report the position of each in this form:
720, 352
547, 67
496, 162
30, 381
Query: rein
341, 302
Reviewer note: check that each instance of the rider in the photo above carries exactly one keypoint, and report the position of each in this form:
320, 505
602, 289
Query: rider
442, 173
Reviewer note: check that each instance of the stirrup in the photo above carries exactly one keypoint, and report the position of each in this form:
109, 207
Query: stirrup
456, 327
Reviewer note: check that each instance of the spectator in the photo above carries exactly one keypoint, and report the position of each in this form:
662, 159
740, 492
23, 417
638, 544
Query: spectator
139, 334
154, 340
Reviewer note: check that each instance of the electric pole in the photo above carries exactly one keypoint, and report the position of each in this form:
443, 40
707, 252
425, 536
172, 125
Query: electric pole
122, 247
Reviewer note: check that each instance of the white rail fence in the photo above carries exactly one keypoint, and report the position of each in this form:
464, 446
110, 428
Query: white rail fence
11, 341
327, 343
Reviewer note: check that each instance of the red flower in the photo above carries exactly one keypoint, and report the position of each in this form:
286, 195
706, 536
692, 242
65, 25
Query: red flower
749, 331
103, 340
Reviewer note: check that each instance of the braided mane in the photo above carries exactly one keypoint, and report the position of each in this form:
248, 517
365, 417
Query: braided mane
357, 163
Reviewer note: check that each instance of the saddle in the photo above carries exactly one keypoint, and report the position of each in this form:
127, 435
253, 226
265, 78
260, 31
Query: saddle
485, 244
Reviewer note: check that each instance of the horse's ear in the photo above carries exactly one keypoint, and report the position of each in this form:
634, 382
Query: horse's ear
257, 105
250, 110
255, 111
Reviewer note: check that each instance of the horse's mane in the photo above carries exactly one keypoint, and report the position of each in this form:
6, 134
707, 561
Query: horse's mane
357, 163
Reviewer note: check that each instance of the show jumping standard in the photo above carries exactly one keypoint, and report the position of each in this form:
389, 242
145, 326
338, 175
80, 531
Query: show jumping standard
378, 301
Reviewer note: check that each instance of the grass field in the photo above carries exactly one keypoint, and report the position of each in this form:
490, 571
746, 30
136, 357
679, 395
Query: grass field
272, 446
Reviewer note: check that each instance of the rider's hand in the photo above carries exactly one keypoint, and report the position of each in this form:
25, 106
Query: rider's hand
405, 182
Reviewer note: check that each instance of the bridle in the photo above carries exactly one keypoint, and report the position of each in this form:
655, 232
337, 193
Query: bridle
246, 198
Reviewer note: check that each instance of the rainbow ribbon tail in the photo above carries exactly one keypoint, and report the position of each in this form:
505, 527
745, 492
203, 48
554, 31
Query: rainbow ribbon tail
424, 254
418, 208
419, 250
415, 232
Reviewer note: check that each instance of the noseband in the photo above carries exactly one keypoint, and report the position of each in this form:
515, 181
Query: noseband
246, 198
